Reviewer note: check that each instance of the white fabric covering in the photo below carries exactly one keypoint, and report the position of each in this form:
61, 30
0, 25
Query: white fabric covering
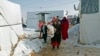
10, 13
74, 34
90, 28
51, 30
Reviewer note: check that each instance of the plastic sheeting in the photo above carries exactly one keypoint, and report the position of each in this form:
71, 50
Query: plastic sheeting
90, 28
10, 25
74, 34
89, 6
31, 43
26, 46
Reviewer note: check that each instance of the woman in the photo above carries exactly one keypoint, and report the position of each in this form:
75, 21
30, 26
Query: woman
55, 41
64, 28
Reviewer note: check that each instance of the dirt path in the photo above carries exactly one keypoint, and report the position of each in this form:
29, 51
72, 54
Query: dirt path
64, 50
68, 50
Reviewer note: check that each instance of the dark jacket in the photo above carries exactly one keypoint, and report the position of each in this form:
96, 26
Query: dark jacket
45, 29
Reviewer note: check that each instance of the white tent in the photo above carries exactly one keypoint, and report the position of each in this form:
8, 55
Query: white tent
10, 25
90, 22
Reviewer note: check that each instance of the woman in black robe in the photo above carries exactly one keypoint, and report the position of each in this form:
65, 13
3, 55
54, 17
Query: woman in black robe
55, 41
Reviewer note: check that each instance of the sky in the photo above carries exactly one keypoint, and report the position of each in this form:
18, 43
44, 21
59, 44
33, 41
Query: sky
46, 5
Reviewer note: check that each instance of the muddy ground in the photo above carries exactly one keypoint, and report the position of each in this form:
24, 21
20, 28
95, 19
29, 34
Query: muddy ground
67, 49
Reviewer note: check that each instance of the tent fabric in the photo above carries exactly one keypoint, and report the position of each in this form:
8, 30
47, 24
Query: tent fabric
74, 34
10, 13
8, 10
90, 28
89, 6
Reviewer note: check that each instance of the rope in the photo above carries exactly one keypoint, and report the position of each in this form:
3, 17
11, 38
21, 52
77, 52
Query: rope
10, 25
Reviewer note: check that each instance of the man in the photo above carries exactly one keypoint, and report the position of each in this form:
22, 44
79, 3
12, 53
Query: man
44, 32
40, 24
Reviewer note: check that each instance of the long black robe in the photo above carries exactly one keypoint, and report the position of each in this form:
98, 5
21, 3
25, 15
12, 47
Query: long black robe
57, 35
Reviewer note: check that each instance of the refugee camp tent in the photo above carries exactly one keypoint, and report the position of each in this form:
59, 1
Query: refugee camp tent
10, 25
89, 21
